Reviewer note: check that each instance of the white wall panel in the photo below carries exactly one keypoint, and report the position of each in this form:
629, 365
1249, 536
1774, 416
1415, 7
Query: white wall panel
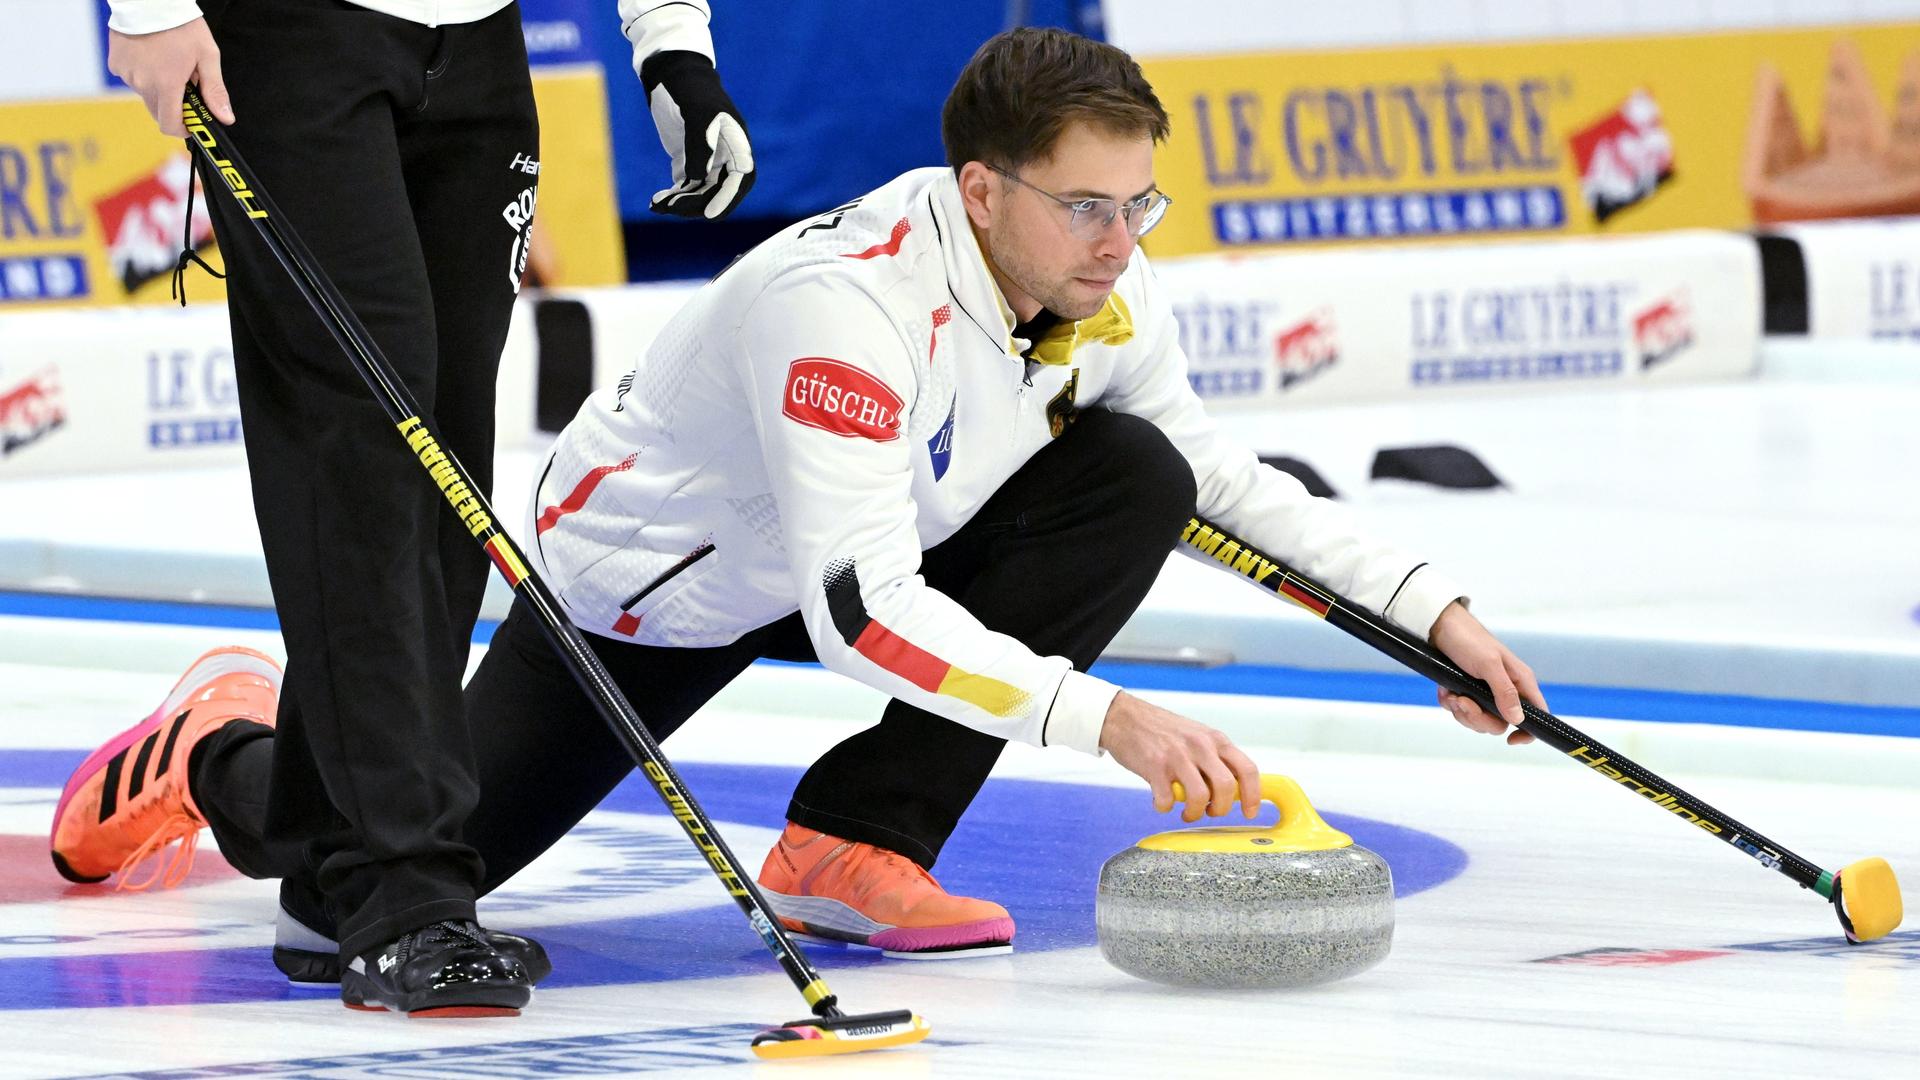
1159, 27
51, 49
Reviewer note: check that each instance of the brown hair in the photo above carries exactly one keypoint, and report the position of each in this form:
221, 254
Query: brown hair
1024, 86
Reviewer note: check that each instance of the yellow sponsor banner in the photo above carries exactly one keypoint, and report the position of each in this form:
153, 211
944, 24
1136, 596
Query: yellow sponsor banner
1539, 138
92, 199
577, 230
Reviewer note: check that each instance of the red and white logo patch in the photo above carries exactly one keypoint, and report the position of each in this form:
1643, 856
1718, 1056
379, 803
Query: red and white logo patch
141, 222
835, 396
31, 411
1303, 351
1624, 156
1663, 330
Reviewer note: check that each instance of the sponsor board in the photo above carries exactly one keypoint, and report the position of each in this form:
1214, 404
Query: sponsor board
191, 397
1228, 341
89, 391
155, 386
1367, 325
1624, 157
1305, 349
1243, 348
30, 411
1863, 278
579, 212
93, 198
1663, 330
144, 226
1619, 134
1556, 329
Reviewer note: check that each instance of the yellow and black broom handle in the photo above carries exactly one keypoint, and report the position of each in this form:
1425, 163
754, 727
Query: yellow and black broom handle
210, 140
1282, 580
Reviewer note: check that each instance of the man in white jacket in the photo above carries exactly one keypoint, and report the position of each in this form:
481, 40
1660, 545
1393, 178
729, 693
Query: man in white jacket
941, 439
400, 138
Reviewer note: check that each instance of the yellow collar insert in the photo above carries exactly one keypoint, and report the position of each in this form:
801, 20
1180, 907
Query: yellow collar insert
1111, 325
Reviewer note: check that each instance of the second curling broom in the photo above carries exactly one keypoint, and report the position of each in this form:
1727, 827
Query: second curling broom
1864, 894
828, 1030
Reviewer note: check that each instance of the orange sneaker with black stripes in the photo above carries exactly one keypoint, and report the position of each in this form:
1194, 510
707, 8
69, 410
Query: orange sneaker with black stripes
128, 801
838, 890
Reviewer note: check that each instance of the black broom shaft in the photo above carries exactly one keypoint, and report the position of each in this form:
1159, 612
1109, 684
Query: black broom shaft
215, 146
1428, 661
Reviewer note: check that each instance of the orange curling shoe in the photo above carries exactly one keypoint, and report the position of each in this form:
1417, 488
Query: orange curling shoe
129, 800
835, 889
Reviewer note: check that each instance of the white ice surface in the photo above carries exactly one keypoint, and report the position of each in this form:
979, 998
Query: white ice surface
1560, 863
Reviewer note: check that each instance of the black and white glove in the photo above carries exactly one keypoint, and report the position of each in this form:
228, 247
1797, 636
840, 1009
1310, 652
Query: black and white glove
703, 133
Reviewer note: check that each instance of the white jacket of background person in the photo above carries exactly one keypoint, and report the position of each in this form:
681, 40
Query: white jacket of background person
651, 25
849, 394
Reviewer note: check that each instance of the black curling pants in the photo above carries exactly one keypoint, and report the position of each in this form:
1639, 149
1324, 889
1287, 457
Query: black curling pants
1059, 558
406, 158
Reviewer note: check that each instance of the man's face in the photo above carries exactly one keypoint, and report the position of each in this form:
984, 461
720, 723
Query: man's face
1027, 235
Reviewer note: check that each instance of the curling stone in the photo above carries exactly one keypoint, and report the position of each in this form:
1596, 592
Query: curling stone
1294, 904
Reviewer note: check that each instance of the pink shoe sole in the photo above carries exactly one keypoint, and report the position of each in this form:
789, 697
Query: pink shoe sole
973, 939
831, 922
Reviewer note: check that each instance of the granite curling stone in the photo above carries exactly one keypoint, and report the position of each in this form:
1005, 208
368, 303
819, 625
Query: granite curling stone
1295, 904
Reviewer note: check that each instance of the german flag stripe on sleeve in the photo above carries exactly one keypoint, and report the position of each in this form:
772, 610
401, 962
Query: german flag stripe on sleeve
873, 640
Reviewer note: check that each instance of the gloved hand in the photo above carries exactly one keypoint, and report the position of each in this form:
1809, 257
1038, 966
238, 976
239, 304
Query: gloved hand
703, 133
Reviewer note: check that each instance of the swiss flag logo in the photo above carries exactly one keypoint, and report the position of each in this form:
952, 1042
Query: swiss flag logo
836, 396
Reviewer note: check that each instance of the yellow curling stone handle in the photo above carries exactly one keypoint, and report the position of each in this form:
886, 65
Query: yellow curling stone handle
1300, 827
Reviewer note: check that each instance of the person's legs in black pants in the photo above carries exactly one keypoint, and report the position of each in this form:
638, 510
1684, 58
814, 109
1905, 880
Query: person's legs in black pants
546, 757
466, 159
373, 774
1059, 558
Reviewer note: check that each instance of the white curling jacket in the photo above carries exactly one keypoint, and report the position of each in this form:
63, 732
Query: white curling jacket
847, 395
651, 25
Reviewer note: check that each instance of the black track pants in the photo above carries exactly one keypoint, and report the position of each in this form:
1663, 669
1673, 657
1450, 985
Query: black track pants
406, 158
1059, 558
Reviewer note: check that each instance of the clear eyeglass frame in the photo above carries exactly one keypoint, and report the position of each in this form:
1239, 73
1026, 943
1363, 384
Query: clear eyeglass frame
1090, 218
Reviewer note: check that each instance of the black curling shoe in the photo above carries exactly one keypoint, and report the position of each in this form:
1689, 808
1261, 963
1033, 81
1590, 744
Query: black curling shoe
308, 957
447, 969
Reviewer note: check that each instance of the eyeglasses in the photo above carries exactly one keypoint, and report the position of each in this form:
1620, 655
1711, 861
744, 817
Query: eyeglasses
1091, 218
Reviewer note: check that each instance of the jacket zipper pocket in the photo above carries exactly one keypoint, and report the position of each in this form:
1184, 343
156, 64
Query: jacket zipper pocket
675, 571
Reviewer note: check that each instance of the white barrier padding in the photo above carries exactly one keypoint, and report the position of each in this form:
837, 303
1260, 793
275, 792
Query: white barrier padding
100, 390
1863, 278
1414, 322
142, 388
107, 390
